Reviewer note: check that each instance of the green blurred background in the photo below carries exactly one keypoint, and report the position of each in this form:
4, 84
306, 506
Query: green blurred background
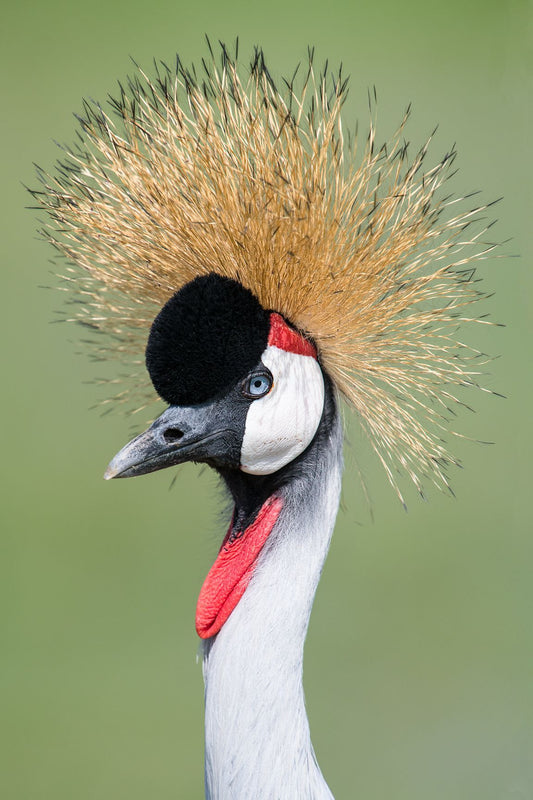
419, 661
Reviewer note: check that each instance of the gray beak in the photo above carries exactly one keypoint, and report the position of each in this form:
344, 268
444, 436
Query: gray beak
181, 433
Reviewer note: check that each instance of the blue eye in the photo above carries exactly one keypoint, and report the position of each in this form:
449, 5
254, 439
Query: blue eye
258, 384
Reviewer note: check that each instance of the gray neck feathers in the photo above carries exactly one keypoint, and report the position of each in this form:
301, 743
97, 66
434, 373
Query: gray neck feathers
257, 735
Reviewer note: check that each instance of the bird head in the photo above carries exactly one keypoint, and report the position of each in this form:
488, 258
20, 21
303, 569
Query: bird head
219, 199
245, 389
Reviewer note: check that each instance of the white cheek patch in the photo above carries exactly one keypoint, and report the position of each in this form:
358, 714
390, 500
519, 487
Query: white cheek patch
280, 425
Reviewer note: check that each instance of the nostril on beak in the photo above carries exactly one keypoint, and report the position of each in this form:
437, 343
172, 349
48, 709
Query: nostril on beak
172, 435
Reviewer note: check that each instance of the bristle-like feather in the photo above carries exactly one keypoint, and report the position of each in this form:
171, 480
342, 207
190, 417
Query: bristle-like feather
362, 251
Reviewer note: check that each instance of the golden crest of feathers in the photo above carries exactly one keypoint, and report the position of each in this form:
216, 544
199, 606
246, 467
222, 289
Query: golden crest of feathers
359, 247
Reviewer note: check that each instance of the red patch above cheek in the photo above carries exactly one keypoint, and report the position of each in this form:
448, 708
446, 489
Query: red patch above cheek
286, 338
229, 576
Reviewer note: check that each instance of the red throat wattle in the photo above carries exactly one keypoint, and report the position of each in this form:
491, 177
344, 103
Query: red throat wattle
229, 576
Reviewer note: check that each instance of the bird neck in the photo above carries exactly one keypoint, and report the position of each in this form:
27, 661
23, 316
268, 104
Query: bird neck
257, 734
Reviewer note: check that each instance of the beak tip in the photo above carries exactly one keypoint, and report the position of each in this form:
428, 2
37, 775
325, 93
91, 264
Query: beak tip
110, 473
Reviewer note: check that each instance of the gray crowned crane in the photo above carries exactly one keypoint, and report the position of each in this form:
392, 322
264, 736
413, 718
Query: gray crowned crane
274, 271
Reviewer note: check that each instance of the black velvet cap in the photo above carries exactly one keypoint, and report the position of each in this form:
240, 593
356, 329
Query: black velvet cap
209, 335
